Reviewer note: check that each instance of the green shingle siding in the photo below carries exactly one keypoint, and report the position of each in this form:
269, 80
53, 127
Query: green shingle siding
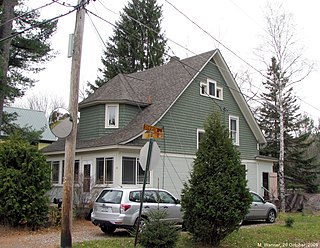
127, 113
92, 121
191, 110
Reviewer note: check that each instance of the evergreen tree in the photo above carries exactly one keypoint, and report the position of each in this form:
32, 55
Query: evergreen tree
23, 53
137, 43
24, 183
215, 199
299, 170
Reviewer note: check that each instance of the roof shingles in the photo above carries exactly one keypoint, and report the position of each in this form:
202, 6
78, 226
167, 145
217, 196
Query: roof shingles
157, 88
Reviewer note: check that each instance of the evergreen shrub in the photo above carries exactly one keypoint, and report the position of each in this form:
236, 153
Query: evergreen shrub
24, 182
215, 198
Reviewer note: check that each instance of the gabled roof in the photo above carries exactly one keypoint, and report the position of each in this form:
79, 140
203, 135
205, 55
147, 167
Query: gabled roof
157, 88
34, 119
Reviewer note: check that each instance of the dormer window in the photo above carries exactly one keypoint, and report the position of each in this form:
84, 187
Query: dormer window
211, 89
112, 115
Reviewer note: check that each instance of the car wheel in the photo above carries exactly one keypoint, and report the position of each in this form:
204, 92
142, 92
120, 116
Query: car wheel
142, 223
271, 216
108, 229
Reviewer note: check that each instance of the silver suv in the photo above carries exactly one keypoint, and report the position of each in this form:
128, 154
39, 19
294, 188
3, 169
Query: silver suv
119, 207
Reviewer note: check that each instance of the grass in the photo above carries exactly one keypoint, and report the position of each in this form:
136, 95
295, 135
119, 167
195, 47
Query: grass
304, 231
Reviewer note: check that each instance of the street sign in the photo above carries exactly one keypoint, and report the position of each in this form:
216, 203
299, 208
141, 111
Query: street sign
152, 132
152, 128
155, 156
149, 135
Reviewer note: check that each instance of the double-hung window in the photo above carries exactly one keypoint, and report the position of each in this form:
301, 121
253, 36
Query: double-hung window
55, 172
112, 115
234, 129
104, 170
132, 172
211, 89
200, 133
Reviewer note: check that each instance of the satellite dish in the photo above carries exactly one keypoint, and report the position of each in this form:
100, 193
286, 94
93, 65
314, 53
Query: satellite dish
60, 122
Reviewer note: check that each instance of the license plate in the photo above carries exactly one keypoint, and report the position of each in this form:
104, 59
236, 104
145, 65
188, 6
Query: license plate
106, 209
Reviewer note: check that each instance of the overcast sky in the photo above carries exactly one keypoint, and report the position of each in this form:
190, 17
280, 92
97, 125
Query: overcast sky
235, 24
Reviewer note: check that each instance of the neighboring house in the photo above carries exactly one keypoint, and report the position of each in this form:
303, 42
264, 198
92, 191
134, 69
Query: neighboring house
34, 119
177, 97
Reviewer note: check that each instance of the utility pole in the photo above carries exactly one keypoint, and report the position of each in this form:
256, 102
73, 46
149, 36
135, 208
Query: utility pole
70, 145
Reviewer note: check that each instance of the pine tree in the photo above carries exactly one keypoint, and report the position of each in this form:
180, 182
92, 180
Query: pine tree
23, 53
137, 43
215, 199
299, 170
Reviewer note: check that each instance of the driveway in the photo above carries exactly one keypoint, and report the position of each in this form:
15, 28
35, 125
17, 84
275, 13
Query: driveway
50, 237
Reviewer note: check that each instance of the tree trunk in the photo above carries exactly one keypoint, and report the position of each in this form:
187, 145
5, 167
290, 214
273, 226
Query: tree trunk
5, 31
281, 155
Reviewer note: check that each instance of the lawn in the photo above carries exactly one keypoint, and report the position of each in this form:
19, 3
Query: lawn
303, 233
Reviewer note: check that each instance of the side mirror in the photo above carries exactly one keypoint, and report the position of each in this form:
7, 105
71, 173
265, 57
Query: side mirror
60, 123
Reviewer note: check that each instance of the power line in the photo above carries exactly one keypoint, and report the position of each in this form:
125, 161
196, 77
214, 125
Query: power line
248, 97
44, 22
232, 52
33, 10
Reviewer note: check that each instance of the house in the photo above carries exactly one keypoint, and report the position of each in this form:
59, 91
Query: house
34, 119
177, 97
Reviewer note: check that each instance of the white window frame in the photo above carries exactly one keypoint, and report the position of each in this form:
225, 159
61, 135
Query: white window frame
199, 130
137, 176
116, 125
106, 172
236, 141
204, 89
58, 164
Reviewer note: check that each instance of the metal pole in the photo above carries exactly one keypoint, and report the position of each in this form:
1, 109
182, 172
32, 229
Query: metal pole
143, 189
70, 145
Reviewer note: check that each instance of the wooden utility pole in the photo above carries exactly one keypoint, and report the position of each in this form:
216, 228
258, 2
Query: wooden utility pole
70, 145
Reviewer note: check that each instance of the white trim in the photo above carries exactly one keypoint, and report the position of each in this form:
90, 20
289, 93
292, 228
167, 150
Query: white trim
236, 118
98, 148
116, 125
177, 155
239, 98
216, 89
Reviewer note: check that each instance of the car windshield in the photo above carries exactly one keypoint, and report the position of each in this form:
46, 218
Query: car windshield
110, 196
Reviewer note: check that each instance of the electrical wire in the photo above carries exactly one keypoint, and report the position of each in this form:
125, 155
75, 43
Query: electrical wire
44, 22
33, 10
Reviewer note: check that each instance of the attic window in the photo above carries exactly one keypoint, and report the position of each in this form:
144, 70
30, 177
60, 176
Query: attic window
112, 115
210, 89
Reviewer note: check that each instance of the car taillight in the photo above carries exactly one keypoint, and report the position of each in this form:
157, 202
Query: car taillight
124, 207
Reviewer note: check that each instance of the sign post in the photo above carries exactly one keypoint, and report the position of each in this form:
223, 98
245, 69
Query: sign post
152, 132
143, 189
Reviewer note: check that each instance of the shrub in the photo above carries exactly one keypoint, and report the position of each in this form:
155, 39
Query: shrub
215, 198
54, 216
289, 222
24, 182
157, 233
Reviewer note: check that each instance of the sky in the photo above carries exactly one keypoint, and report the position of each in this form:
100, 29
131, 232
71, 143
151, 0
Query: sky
233, 26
